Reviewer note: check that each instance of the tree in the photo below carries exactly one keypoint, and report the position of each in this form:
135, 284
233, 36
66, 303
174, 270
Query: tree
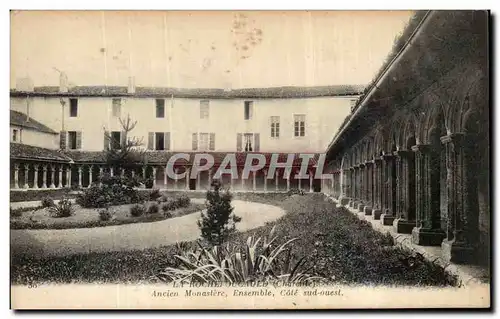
127, 152
218, 222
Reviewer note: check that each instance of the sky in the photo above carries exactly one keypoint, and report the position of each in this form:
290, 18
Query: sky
204, 49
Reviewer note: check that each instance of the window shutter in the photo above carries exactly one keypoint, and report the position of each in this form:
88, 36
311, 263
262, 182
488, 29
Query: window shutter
123, 139
62, 140
106, 140
78, 140
166, 141
195, 141
212, 142
238, 142
151, 140
257, 142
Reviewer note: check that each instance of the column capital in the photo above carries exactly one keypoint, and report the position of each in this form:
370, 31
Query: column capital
369, 163
361, 165
377, 161
356, 167
422, 148
454, 138
26, 166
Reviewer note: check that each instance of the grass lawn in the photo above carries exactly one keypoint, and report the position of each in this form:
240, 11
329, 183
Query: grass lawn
338, 246
40, 218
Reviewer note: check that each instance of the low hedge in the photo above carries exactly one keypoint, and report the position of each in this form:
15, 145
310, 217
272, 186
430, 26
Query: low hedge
39, 194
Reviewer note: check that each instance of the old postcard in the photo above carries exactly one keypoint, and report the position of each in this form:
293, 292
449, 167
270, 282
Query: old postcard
249, 159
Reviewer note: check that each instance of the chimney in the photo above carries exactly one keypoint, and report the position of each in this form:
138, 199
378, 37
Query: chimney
63, 83
24, 85
131, 85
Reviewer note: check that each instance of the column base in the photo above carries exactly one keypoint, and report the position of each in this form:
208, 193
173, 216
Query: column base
360, 208
403, 226
344, 200
367, 210
387, 219
427, 237
376, 214
459, 253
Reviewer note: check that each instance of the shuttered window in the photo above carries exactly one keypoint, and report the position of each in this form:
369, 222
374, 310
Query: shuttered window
203, 141
248, 142
74, 140
275, 126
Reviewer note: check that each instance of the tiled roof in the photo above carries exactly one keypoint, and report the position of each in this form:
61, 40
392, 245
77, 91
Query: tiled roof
271, 92
29, 152
21, 119
161, 157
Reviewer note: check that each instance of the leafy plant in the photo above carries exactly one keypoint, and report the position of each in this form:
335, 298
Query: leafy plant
218, 222
137, 210
16, 212
256, 260
47, 202
105, 214
155, 194
153, 209
63, 209
183, 201
168, 214
295, 191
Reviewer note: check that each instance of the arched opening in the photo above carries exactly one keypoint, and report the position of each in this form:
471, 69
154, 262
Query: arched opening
437, 177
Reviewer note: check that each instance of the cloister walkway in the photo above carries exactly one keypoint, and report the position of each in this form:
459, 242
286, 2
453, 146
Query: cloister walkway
63, 242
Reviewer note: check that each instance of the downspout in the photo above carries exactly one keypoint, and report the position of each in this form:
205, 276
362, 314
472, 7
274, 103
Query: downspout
381, 78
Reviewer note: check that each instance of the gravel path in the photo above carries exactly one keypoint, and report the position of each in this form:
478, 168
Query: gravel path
62, 242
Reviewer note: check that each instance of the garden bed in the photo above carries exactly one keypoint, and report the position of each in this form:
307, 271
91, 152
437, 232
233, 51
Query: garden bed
40, 218
338, 246
39, 194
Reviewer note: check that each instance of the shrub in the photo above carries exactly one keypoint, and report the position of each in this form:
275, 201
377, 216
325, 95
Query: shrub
168, 214
155, 194
105, 214
218, 222
295, 191
114, 190
47, 202
137, 210
153, 209
16, 212
183, 201
256, 260
63, 209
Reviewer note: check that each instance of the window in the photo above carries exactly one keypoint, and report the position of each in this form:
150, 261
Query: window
159, 141
117, 107
72, 140
14, 135
204, 109
248, 142
275, 126
299, 125
160, 108
248, 110
73, 107
116, 140
203, 141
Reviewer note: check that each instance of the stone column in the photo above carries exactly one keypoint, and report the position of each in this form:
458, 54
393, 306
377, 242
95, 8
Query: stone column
80, 176
100, 175
428, 229
198, 180
460, 245
112, 171
254, 181
90, 175
377, 188
165, 177
44, 176
232, 179
35, 176
242, 181
154, 176
26, 171
276, 180
52, 177
311, 181
60, 170
362, 187
389, 191
68, 176
352, 186
176, 179
265, 180
288, 182
132, 173
403, 223
144, 172
209, 178
16, 176
367, 210
122, 172
188, 171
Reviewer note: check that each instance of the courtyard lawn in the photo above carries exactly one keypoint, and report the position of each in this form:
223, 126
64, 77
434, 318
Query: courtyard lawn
338, 246
40, 218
